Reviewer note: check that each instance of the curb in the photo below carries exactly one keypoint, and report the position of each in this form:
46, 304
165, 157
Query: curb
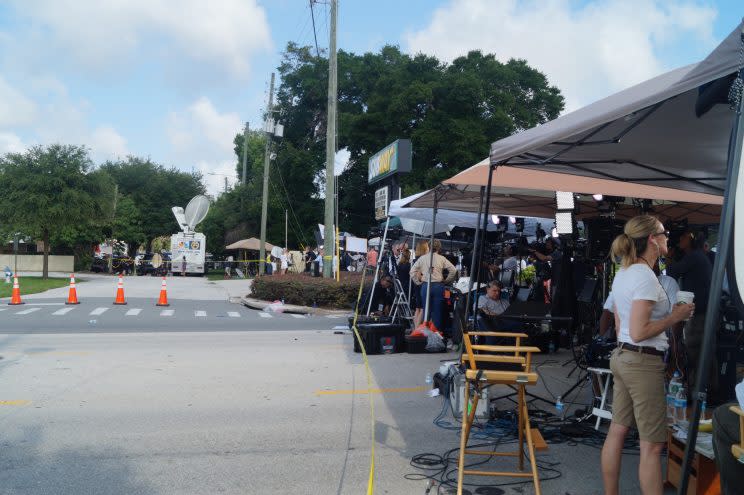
259, 305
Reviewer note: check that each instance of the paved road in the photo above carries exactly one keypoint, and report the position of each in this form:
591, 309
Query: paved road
99, 315
216, 398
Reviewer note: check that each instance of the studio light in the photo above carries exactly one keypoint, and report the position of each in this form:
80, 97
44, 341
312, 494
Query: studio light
519, 224
495, 219
564, 222
554, 232
597, 197
565, 200
512, 220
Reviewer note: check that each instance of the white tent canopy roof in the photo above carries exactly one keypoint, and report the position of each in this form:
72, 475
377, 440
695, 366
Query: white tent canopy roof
418, 220
646, 134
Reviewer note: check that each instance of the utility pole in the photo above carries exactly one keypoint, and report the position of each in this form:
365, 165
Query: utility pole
245, 155
328, 236
225, 184
267, 158
286, 222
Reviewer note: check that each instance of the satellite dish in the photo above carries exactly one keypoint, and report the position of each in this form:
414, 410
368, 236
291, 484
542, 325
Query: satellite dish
196, 210
157, 260
180, 217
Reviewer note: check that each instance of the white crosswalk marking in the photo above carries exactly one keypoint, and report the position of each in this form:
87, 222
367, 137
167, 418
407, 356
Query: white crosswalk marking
62, 311
3, 309
233, 314
167, 312
27, 311
264, 315
298, 316
200, 313
98, 311
133, 312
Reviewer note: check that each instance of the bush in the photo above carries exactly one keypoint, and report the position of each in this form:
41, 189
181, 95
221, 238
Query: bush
304, 290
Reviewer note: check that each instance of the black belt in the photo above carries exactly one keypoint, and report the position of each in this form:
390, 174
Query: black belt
641, 349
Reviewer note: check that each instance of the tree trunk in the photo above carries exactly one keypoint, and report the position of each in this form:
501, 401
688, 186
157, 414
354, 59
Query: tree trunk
45, 238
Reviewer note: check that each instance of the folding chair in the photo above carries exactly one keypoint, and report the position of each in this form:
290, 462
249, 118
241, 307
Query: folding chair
480, 371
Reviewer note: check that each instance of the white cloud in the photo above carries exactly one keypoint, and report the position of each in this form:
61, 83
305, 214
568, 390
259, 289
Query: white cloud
203, 136
588, 51
106, 143
15, 108
214, 175
105, 34
202, 130
11, 143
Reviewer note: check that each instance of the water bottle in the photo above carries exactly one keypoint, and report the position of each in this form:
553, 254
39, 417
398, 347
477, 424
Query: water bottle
680, 406
428, 383
559, 404
674, 385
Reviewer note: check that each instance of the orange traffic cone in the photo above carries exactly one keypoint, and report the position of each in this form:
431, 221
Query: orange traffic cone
72, 296
15, 297
120, 292
163, 300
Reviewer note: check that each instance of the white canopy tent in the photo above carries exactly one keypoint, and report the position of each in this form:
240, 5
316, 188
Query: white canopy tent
682, 130
419, 220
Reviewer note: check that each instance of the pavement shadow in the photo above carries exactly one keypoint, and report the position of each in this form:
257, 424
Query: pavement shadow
28, 467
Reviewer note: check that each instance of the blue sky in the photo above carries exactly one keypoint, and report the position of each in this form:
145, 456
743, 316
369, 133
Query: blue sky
142, 78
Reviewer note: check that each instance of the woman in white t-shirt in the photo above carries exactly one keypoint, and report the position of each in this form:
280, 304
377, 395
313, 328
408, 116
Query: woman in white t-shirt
643, 311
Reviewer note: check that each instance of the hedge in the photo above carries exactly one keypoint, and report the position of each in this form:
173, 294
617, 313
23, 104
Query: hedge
304, 290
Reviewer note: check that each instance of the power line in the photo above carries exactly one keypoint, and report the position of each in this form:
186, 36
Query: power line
315, 33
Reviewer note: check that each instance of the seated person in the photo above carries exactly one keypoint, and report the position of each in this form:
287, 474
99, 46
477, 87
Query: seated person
383, 296
726, 433
490, 306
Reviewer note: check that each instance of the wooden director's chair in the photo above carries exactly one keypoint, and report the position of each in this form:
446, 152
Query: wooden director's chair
482, 369
738, 450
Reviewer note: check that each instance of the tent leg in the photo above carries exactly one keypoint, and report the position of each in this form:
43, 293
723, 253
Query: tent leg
474, 259
482, 244
431, 258
725, 242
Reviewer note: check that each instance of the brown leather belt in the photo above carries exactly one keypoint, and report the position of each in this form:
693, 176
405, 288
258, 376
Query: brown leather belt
641, 349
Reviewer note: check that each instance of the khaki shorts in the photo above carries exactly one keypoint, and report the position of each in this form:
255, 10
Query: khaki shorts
639, 399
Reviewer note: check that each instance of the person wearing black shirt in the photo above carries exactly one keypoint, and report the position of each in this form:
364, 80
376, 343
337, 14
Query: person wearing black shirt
403, 269
383, 296
693, 273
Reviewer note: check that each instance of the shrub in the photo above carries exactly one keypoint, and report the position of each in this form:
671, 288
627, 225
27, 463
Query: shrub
304, 290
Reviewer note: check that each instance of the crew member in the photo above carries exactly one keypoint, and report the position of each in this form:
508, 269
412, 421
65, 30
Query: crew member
420, 275
553, 256
490, 305
383, 296
693, 273
726, 433
642, 313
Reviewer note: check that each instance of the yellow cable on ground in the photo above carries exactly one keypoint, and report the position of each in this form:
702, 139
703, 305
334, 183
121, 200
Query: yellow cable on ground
371, 481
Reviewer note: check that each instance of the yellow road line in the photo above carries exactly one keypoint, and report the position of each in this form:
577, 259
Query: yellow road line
370, 391
14, 402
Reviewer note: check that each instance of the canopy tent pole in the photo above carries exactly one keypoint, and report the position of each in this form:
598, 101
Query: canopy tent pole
482, 245
431, 258
377, 267
474, 260
413, 246
725, 240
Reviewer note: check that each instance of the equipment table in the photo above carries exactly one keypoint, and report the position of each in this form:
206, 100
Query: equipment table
704, 477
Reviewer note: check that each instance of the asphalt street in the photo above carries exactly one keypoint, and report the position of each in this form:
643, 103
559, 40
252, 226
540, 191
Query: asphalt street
100, 315
216, 398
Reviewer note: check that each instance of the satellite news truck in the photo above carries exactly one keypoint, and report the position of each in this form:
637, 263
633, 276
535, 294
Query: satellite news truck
193, 247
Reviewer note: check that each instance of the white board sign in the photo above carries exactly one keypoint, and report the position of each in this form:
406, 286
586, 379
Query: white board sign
356, 244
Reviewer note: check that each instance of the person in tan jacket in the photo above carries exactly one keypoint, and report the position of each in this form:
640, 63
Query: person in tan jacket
443, 272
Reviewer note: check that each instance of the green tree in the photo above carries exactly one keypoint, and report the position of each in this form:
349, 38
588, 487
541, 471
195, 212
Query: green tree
51, 193
451, 113
152, 190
